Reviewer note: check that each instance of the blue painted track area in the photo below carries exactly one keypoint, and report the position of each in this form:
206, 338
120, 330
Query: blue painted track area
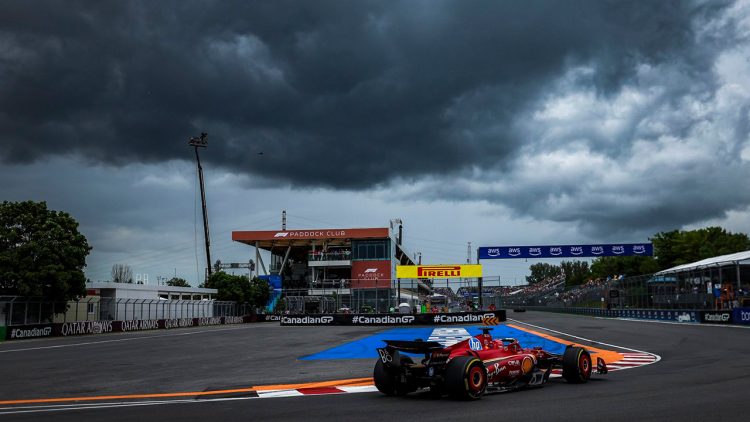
365, 347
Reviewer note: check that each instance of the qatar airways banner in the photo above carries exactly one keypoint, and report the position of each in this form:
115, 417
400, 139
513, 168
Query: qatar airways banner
566, 251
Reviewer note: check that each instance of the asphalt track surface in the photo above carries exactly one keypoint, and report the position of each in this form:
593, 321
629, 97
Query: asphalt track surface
704, 375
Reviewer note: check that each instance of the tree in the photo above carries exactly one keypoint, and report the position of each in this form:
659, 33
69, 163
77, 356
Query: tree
576, 272
42, 253
239, 288
230, 287
542, 271
259, 293
681, 247
122, 274
177, 282
606, 266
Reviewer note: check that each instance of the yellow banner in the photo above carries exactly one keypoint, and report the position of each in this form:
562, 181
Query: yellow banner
438, 271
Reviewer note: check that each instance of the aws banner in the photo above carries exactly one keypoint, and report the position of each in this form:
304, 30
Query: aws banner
438, 271
566, 251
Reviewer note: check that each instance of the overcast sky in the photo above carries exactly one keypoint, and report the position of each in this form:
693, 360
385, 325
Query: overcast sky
496, 123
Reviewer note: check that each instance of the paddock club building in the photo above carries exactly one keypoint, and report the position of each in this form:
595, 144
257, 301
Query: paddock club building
357, 266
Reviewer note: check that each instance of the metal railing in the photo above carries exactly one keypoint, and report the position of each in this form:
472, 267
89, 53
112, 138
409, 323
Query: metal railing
330, 256
16, 310
383, 300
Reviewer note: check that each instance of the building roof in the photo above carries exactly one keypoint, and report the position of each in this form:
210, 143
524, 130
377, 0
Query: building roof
741, 258
269, 238
149, 288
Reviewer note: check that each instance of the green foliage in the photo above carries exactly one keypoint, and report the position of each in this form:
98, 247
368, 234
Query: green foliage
627, 265
681, 247
41, 252
674, 248
281, 305
259, 293
177, 282
576, 272
542, 271
238, 288
230, 287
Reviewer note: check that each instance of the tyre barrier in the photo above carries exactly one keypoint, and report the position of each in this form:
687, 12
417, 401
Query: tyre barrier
20, 332
728, 316
391, 319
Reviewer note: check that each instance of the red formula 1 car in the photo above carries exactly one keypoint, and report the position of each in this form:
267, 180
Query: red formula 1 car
479, 364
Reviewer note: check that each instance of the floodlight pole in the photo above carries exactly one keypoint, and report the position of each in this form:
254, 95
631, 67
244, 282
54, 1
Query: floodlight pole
479, 285
202, 142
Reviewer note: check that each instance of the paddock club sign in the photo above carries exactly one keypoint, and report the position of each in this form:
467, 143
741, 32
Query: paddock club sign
438, 271
566, 251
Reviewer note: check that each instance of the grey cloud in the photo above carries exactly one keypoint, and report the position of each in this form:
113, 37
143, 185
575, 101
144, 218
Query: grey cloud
334, 93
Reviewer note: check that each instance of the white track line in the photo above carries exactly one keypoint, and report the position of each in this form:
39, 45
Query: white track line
657, 357
89, 406
684, 324
89, 343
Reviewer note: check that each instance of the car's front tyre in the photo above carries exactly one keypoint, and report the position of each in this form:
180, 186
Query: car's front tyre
576, 365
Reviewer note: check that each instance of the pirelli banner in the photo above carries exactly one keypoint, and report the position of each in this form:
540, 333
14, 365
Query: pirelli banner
491, 317
438, 271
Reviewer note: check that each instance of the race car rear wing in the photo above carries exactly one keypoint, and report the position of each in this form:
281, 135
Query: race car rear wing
416, 346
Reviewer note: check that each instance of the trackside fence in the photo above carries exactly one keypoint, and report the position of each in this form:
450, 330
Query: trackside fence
15, 310
739, 316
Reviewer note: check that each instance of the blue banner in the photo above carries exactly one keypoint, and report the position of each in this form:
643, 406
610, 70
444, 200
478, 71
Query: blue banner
566, 251
741, 316
273, 280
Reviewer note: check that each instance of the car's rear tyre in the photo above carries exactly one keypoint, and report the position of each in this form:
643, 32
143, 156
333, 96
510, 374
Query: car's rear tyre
389, 383
576, 365
465, 378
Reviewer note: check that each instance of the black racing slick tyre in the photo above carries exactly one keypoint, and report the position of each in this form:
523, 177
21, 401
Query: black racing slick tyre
576, 365
389, 383
465, 378
384, 382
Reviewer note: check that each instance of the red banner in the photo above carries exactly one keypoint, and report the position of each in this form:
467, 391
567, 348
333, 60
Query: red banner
312, 234
371, 274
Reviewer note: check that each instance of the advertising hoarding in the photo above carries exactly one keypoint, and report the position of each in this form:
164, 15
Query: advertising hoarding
371, 274
566, 251
438, 271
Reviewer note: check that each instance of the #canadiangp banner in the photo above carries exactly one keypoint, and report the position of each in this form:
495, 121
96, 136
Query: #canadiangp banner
566, 251
438, 271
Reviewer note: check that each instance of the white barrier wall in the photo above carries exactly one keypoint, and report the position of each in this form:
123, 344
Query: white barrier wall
142, 309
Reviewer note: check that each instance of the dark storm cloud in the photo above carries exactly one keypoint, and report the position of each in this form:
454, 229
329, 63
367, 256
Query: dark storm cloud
340, 94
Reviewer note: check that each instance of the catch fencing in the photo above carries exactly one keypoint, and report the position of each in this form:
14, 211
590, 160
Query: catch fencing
333, 300
15, 310
684, 291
